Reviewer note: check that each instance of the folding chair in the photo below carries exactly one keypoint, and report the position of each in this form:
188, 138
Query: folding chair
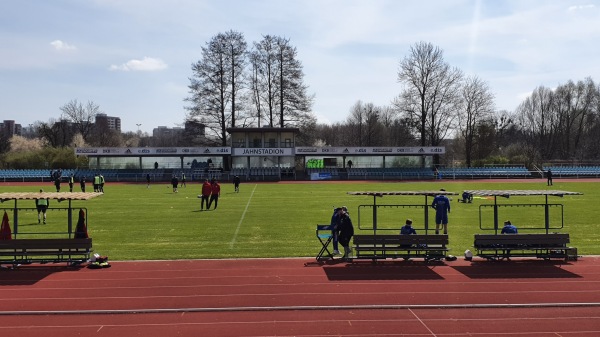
324, 235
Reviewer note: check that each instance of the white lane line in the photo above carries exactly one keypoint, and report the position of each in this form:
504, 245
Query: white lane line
307, 308
422, 323
232, 243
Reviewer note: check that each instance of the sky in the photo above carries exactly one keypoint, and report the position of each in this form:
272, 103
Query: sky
133, 57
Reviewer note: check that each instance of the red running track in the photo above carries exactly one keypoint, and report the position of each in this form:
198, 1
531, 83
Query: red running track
298, 297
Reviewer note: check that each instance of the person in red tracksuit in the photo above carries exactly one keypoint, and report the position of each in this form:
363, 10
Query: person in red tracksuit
206, 191
216, 193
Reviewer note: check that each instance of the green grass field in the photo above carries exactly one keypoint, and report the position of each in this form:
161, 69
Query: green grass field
132, 222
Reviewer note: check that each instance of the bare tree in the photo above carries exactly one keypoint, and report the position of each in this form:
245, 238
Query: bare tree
365, 126
103, 135
263, 79
276, 81
431, 95
58, 133
81, 116
216, 82
538, 120
478, 107
573, 103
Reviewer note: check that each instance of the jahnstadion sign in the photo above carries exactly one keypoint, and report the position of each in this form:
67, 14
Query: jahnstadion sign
253, 152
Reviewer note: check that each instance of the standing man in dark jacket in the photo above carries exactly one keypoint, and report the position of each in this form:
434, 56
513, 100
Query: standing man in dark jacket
174, 183
334, 229
345, 232
71, 182
57, 184
236, 184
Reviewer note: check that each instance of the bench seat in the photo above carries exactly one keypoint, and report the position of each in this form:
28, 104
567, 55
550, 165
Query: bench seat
24, 251
378, 247
544, 246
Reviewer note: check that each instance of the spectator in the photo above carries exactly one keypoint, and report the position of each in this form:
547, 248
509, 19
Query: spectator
549, 177
147, 180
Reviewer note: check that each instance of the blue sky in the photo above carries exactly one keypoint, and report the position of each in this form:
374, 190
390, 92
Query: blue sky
133, 57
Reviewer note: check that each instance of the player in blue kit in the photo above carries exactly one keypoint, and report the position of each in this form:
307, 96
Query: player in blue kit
441, 204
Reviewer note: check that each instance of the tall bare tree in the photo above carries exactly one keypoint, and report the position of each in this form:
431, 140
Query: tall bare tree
430, 98
82, 116
216, 83
366, 128
574, 103
58, 133
478, 107
537, 119
263, 79
278, 91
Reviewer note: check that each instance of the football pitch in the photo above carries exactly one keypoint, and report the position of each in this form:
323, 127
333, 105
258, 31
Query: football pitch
134, 222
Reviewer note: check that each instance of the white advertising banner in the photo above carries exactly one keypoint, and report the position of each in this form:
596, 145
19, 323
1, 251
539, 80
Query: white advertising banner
253, 152
152, 151
346, 151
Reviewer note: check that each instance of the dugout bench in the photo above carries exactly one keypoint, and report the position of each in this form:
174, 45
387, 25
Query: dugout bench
380, 244
546, 245
26, 251
542, 246
25, 247
385, 246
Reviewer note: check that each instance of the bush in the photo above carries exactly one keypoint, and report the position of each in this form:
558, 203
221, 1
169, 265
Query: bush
45, 158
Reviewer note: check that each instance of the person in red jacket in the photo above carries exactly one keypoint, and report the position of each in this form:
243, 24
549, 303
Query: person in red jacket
206, 191
216, 192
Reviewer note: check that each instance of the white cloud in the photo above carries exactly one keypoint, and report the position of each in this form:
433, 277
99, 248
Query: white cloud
145, 64
60, 45
580, 7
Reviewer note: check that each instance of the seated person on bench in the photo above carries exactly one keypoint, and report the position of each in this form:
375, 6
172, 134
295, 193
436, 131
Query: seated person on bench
509, 228
466, 197
407, 229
